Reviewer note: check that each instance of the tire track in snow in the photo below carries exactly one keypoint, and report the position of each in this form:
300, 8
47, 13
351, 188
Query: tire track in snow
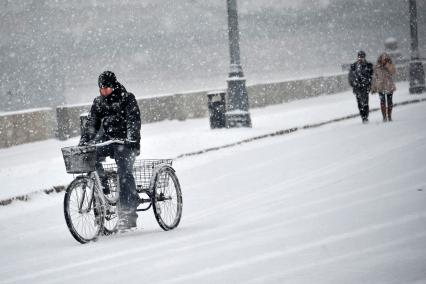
296, 220
284, 253
96, 267
252, 193
317, 172
280, 276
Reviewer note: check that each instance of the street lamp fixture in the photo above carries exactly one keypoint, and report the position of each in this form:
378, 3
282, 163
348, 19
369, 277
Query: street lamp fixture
237, 104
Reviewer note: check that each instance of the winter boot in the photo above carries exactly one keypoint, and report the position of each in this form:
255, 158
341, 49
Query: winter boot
124, 226
390, 113
383, 109
126, 221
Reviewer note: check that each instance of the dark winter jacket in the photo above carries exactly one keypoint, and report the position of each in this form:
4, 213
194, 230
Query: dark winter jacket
119, 116
360, 76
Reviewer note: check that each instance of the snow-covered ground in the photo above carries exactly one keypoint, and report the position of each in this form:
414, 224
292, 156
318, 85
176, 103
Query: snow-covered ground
342, 203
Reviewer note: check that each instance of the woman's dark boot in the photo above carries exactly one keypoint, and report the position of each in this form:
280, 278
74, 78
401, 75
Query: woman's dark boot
383, 109
390, 113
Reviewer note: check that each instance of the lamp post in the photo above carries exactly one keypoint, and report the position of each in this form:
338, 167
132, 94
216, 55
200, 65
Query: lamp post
237, 104
416, 72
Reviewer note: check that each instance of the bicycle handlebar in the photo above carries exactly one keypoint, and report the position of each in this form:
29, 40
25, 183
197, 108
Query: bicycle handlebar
113, 141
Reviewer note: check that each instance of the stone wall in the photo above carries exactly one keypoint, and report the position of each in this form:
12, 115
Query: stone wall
26, 126
262, 95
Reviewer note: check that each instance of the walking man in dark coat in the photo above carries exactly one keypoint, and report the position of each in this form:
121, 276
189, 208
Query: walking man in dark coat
360, 77
117, 111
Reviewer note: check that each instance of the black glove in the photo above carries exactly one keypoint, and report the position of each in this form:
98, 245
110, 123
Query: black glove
130, 143
134, 145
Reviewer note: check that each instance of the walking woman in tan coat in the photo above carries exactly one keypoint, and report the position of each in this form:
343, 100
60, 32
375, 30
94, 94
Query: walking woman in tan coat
384, 72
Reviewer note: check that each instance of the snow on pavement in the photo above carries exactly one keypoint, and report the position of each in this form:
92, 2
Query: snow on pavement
343, 203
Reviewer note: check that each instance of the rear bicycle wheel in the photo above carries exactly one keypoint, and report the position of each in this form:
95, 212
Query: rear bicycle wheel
167, 199
83, 210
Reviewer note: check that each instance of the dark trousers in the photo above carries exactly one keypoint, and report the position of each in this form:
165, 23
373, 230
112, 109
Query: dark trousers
362, 100
124, 157
386, 105
386, 97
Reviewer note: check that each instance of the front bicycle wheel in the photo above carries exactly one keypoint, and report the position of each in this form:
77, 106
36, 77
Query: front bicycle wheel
167, 199
111, 216
112, 183
83, 210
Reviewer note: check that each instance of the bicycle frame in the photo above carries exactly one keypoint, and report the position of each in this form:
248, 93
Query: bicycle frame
96, 189
80, 205
97, 186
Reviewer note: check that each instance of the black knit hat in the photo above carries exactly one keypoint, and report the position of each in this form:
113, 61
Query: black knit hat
361, 54
107, 79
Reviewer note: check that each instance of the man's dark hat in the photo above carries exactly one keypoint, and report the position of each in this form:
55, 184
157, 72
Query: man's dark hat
107, 79
361, 54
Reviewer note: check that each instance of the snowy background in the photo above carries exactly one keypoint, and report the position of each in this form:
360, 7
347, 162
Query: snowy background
51, 51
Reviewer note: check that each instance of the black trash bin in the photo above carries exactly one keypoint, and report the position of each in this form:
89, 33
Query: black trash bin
217, 109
